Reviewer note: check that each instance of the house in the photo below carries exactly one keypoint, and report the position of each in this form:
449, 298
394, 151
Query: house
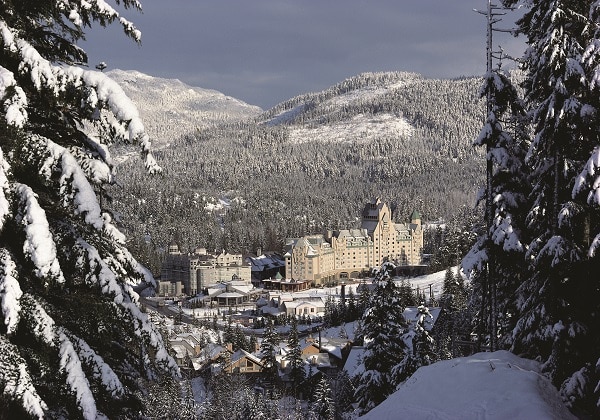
300, 308
186, 347
243, 362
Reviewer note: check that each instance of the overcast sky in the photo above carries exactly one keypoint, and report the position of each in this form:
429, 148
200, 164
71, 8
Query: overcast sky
266, 51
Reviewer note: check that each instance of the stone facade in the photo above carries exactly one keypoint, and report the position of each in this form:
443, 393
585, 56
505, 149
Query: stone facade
200, 269
323, 259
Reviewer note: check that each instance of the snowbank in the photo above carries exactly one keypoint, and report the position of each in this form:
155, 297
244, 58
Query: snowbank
486, 386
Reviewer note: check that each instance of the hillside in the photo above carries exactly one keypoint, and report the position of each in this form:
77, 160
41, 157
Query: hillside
171, 109
309, 164
493, 386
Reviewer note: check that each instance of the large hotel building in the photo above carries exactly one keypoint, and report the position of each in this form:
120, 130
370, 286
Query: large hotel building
343, 254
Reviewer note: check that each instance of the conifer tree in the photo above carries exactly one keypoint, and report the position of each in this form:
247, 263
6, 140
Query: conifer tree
294, 357
423, 343
268, 349
323, 406
382, 325
74, 341
557, 306
496, 261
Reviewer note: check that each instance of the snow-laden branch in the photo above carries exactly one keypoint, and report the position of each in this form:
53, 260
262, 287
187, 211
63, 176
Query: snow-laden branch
100, 9
4, 188
100, 369
76, 379
590, 178
42, 325
101, 90
14, 103
39, 244
16, 381
10, 291
100, 272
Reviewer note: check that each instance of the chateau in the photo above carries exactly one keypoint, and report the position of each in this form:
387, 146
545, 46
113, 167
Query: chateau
323, 259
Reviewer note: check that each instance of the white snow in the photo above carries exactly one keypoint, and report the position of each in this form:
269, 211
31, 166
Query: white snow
39, 244
76, 379
359, 128
10, 291
490, 386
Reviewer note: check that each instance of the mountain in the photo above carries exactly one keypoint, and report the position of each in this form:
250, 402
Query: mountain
309, 164
171, 109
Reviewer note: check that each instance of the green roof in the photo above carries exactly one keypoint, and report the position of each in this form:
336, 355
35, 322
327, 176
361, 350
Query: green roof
415, 215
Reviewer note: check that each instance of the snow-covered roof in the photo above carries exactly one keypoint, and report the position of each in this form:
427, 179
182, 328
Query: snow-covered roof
241, 353
231, 295
354, 365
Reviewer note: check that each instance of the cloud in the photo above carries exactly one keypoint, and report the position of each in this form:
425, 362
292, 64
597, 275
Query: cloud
266, 51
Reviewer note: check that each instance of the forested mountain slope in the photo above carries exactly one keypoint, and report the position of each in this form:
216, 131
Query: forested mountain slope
310, 164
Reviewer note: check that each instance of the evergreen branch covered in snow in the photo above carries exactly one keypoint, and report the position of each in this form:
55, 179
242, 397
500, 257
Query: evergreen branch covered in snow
16, 382
100, 369
10, 291
76, 378
13, 98
99, 10
4, 189
39, 244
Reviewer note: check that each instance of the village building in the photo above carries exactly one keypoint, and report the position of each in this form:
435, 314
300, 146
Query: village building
200, 270
344, 254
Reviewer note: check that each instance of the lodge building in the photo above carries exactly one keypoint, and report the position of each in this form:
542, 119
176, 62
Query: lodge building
338, 255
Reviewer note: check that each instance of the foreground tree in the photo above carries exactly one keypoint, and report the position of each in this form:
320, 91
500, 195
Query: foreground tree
383, 325
323, 407
557, 301
73, 340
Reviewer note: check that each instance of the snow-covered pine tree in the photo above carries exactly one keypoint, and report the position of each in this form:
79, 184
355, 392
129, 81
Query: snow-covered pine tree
557, 305
73, 339
294, 358
383, 325
423, 343
323, 406
268, 349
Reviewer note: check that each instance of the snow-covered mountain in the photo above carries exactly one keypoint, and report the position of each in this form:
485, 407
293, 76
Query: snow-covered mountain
170, 108
343, 112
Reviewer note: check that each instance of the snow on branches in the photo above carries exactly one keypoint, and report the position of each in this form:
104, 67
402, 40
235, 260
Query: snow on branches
58, 245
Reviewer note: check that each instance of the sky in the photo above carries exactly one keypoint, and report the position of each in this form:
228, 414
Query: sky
266, 51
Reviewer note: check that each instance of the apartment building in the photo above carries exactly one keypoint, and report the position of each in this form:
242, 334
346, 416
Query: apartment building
200, 269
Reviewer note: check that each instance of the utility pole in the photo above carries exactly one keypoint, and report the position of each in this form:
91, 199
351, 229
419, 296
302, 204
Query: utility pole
489, 277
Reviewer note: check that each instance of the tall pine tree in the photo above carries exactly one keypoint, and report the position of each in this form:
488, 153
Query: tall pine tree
383, 325
73, 339
294, 357
557, 303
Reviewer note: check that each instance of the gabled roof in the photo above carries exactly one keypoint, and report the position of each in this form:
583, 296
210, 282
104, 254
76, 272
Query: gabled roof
241, 354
